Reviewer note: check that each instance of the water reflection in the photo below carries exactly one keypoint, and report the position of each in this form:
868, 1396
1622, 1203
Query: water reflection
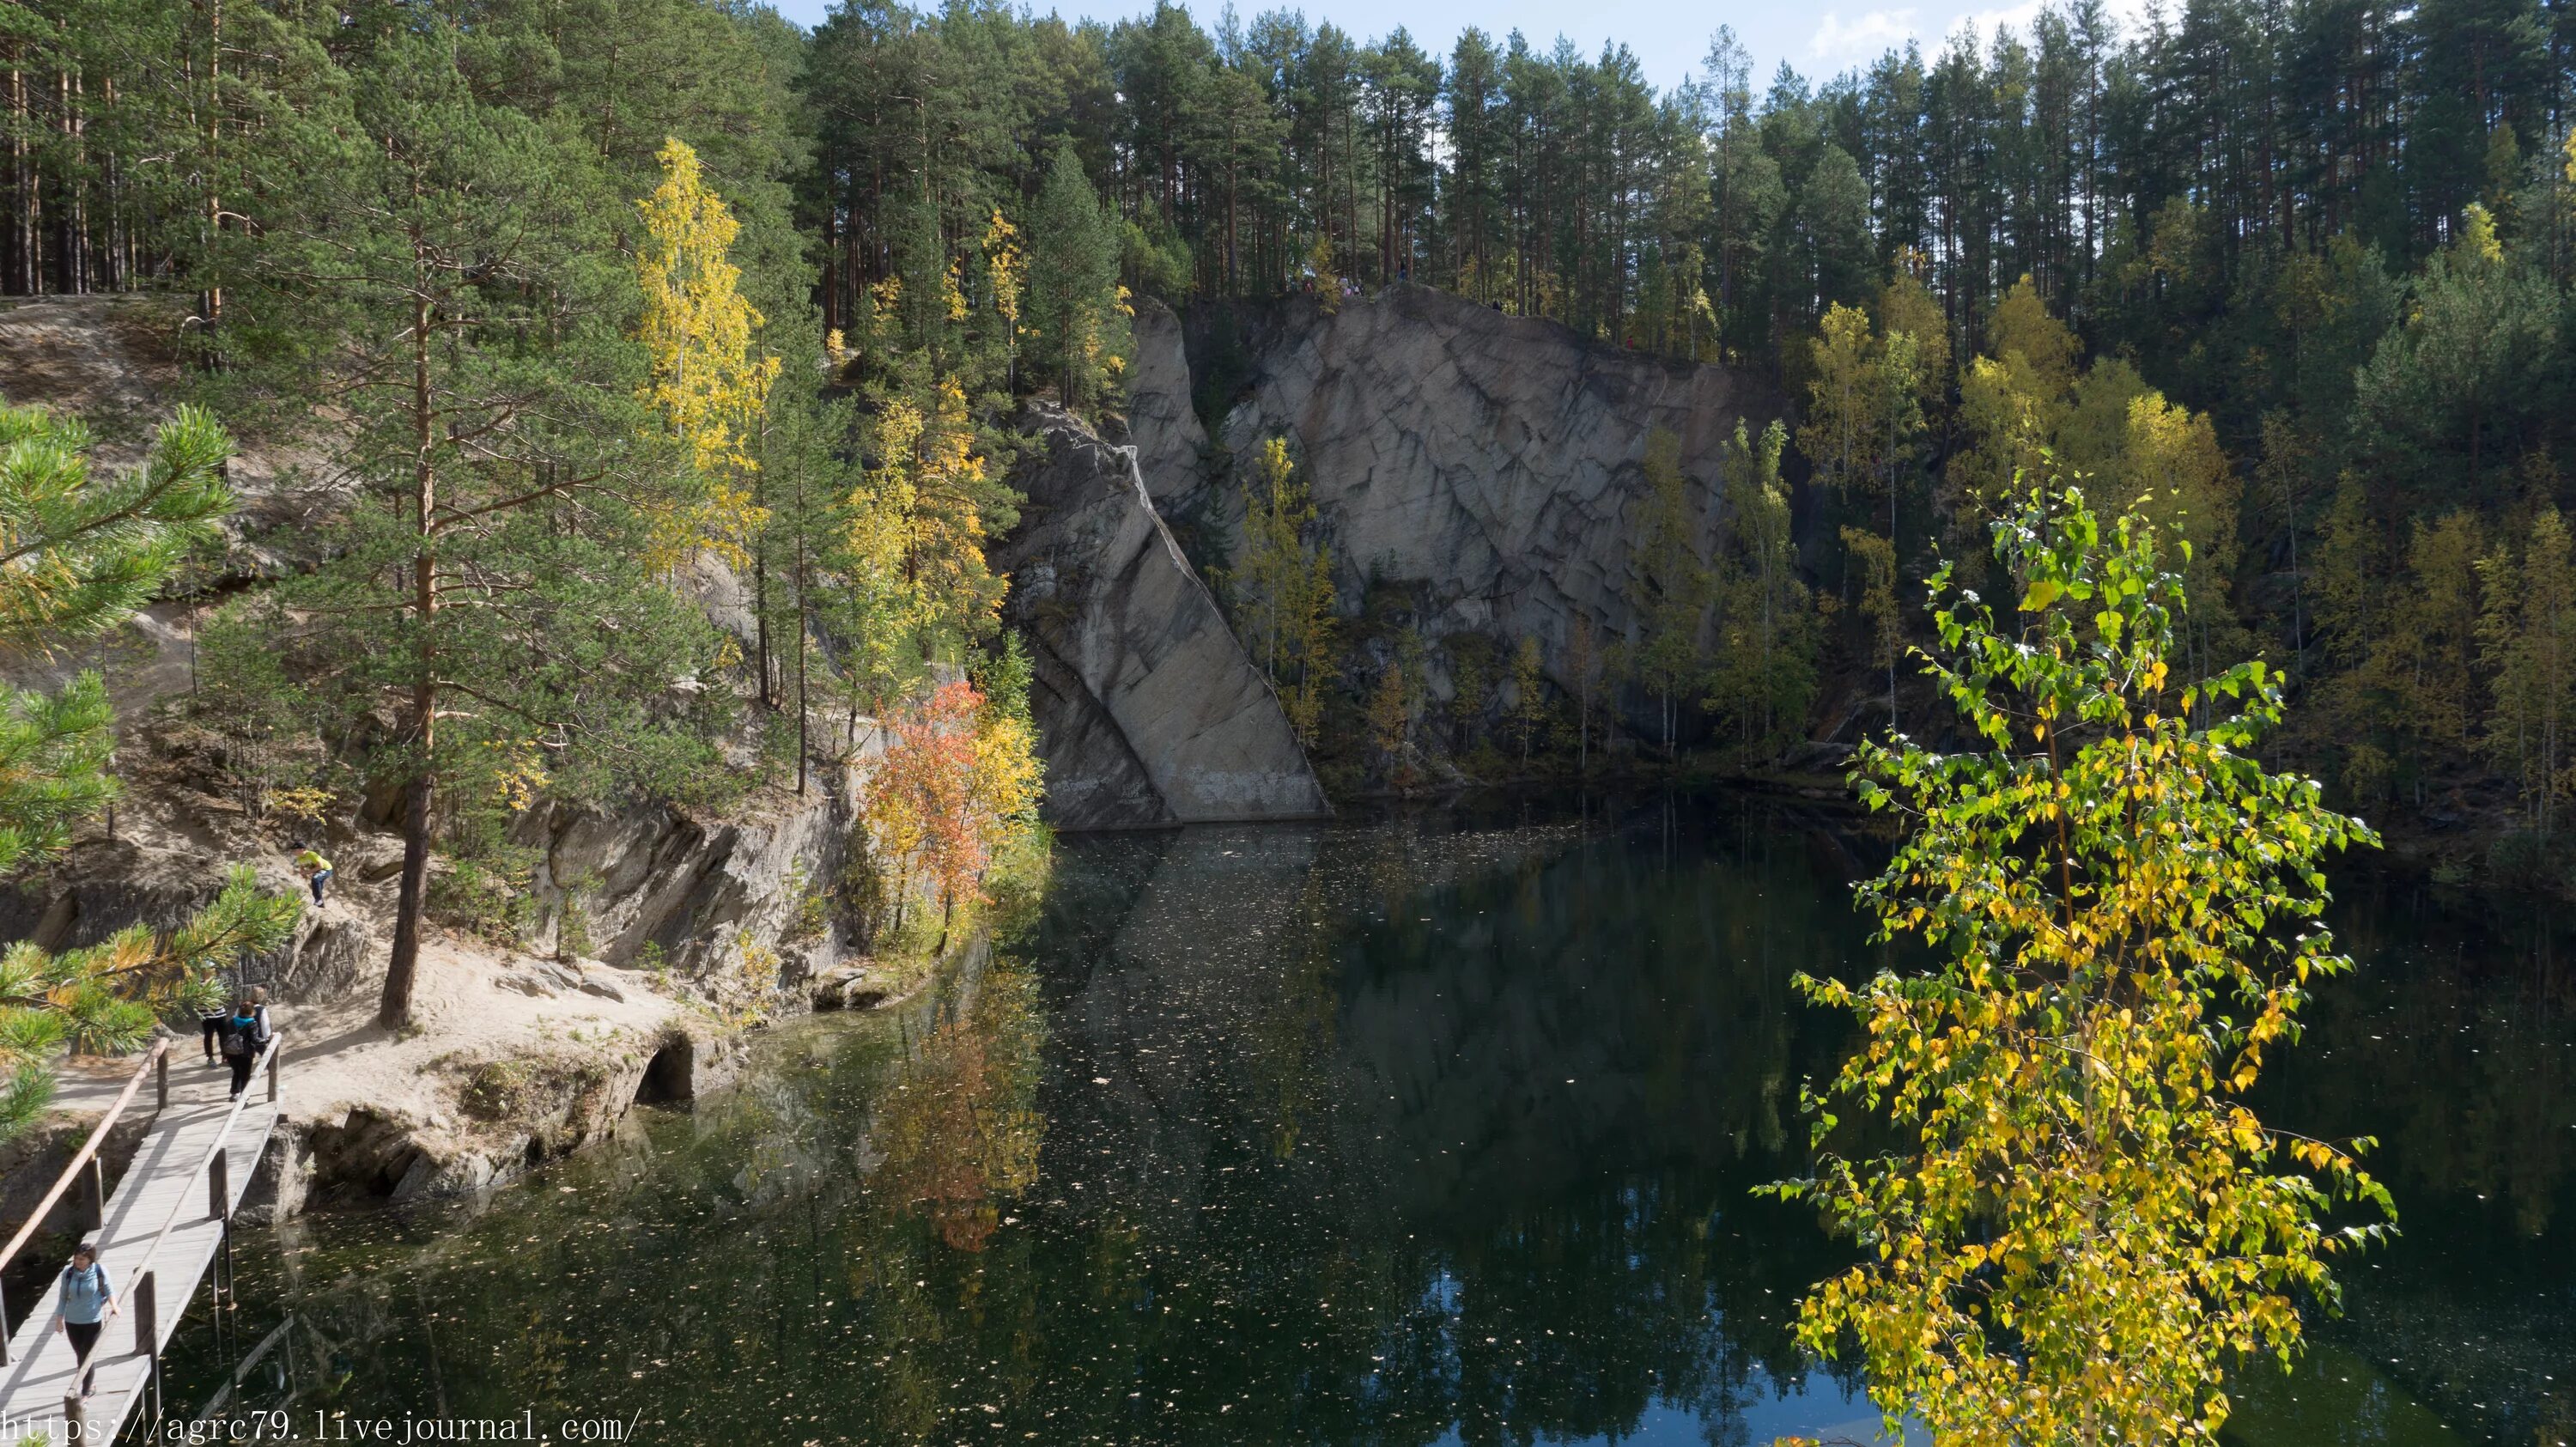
957, 1135
2454, 1044
1433, 1130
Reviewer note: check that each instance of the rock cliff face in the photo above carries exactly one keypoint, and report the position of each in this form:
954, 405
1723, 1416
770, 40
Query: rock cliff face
696, 889
1148, 712
1490, 464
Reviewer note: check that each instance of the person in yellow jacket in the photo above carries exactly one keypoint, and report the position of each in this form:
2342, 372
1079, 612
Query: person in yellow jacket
315, 869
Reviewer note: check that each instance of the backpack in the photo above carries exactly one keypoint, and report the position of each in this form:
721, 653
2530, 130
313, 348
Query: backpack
236, 1035
90, 1284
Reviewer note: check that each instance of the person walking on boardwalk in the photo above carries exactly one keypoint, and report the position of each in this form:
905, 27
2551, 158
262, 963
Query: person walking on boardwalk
315, 869
88, 1299
212, 1028
245, 1034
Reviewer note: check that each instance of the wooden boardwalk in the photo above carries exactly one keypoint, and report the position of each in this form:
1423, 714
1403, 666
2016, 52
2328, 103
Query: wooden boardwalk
161, 1219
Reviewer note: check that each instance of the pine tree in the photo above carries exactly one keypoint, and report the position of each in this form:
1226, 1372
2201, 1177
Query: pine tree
84, 554
2447, 379
1077, 312
445, 271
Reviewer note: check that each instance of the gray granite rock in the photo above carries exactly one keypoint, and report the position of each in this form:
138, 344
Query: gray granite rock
1490, 463
1148, 712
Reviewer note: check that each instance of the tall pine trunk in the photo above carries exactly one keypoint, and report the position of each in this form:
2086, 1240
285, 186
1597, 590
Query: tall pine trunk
211, 300
393, 1009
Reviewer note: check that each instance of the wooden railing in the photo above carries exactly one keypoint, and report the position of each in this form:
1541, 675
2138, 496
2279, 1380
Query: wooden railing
86, 1169
215, 1165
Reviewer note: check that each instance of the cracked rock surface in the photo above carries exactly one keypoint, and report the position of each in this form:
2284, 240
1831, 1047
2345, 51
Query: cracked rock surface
1491, 464
1148, 712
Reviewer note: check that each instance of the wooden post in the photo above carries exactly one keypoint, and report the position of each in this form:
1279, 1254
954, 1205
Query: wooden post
161, 1078
75, 1411
219, 1205
93, 1195
272, 1074
147, 1338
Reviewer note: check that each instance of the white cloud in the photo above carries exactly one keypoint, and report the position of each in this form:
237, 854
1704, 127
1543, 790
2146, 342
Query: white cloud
2017, 18
2124, 14
1839, 42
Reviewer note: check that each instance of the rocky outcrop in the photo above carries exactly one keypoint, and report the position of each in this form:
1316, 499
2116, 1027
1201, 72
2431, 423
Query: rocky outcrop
1148, 712
1490, 464
652, 880
513, 1114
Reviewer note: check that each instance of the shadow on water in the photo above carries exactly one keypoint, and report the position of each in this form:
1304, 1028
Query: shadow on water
1439, 1128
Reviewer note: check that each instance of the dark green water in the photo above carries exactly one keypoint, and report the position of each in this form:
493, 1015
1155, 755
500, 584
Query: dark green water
1436, 1130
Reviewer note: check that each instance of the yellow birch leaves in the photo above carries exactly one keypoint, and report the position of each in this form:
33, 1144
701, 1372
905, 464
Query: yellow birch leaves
2077, 1227
1282, 589
704, 378
918, 520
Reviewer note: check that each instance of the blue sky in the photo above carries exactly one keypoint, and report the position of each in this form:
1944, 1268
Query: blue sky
1819, 37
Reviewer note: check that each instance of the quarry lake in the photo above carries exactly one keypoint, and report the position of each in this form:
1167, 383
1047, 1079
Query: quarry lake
1436, 1128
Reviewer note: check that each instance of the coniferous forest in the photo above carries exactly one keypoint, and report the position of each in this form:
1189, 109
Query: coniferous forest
606, 443
2300, 268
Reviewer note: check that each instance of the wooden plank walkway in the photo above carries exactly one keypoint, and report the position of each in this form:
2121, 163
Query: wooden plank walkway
162, 1176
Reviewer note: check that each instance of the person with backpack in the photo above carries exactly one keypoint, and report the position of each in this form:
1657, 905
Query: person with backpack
88, 1298
315, 869
212, 1026
245, 1034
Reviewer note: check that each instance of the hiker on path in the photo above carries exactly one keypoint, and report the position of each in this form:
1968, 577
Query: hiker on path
212, 1026
245, 1034
315, 869
80, 1313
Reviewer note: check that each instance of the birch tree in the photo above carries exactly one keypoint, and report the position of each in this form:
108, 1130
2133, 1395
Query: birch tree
2078, 1226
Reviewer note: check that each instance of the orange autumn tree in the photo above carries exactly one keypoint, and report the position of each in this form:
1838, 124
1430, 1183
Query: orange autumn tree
954, 780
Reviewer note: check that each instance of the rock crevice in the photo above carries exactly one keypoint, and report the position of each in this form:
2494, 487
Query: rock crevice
1148, 711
